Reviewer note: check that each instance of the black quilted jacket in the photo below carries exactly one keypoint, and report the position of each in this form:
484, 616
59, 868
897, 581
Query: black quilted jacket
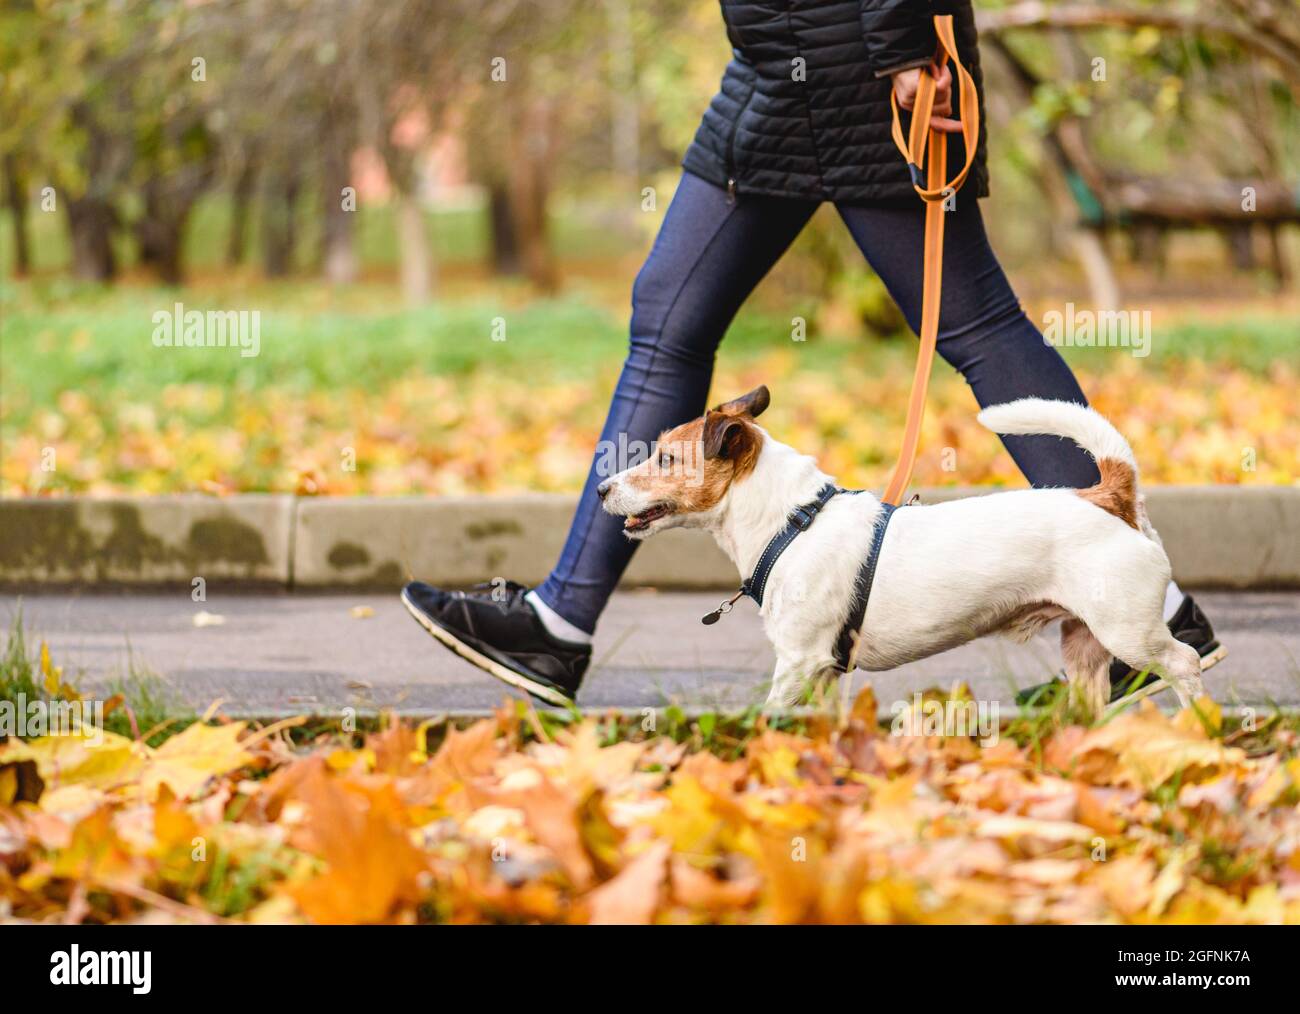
804, 106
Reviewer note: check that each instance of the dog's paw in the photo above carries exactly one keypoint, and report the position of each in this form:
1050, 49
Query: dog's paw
1188, 689
783, 696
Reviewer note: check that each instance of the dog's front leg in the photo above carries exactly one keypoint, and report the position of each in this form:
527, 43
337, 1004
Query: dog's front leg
792, 678
787, 685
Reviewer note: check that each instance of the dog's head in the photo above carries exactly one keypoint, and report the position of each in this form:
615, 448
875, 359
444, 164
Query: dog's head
690, 470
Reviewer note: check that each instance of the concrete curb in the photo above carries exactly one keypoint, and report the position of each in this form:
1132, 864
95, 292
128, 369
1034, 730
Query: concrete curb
456, 541
1216, 536
147, 540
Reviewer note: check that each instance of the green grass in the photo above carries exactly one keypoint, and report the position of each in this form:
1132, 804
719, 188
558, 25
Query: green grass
152, 708
1253, 342
58, 335
149, 705
18, 669
84, 339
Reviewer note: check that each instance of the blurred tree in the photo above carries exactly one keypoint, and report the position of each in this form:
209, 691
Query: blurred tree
1166, 124
525, 55
104, 101
15, 198
133, 110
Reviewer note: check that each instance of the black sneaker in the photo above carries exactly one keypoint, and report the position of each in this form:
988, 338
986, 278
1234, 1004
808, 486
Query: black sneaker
495, 629
1188, 625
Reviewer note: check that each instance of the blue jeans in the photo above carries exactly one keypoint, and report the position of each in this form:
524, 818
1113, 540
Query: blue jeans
708, 257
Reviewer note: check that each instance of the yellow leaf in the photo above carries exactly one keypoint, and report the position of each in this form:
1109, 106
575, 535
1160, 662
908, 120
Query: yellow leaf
779, 766
94, 758
345, 760
1203, 718
53, 674
187, 760
1171, 879
1145, 749
689, 821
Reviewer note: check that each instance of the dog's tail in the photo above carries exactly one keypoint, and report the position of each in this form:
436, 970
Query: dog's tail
1117, 493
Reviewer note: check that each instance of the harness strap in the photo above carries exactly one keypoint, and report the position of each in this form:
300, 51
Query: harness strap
846, 643
799, 521
934, 192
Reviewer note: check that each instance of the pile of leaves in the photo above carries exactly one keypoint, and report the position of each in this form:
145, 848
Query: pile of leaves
528, 818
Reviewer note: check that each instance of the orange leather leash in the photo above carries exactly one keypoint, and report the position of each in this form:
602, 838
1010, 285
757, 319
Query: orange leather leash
924, 146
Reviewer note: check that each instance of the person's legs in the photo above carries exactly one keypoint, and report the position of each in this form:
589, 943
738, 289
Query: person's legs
983, 331
707, 258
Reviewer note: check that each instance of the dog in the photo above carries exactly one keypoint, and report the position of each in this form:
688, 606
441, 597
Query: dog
1007, 563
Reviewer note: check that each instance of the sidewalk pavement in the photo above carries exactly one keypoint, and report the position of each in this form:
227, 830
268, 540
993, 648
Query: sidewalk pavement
279, 653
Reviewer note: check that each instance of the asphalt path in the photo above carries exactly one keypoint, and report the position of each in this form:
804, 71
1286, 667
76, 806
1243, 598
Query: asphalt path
285, 652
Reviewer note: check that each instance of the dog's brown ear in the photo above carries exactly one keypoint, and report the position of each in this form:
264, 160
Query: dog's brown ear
726, 436
751, 404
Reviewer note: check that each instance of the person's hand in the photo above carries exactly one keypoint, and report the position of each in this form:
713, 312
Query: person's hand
905, 85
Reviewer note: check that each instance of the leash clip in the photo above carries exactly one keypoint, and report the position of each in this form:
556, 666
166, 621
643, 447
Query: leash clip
723, 608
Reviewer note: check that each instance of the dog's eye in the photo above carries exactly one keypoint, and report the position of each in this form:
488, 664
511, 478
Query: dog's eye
665, 460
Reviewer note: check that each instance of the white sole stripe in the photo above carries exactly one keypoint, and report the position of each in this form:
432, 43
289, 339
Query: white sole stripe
488, 665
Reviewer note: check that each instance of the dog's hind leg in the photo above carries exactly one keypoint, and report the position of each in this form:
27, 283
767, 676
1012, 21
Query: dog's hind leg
1179, 665
1150, 647
1087, 666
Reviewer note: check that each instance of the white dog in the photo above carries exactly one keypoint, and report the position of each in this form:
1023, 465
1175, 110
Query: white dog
1006, 563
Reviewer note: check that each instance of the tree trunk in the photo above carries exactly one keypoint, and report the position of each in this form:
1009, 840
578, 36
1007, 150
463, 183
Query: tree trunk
16, 199
1103, 286
90, 222
340, 247
1277, 256
91, 217
241, 201
505, 241
1241, 246
625, 111
160, 244
160, 233
1065, 148
1150, 245
413, 243
279, 200
530, 190
338, 234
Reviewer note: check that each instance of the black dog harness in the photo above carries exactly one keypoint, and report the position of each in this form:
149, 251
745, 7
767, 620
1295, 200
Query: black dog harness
801, 520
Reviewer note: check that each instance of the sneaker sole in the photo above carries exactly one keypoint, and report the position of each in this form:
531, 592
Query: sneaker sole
488, 665
1208, 661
